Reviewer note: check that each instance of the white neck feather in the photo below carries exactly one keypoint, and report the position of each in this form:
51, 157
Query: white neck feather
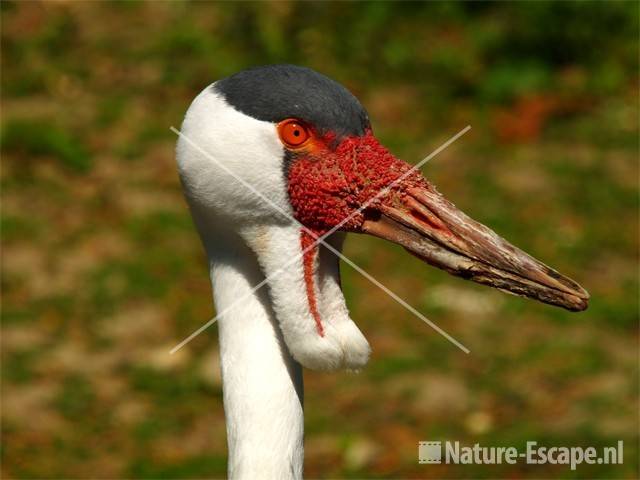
224, 158
263, 390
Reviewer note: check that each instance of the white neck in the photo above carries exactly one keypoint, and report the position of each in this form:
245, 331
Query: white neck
262, 384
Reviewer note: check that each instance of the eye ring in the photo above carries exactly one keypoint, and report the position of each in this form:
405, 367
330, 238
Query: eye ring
293, 133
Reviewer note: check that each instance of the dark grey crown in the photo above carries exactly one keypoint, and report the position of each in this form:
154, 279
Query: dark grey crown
275, 92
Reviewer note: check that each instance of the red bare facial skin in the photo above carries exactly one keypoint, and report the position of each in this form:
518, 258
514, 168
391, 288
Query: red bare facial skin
330, 180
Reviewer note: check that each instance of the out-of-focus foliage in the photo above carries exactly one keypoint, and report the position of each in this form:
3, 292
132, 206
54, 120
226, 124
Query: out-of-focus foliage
102, 272
33, 139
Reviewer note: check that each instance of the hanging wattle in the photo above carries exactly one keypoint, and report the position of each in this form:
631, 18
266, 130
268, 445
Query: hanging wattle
309, 260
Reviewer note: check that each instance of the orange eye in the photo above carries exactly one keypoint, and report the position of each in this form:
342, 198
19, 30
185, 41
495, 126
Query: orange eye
293, 133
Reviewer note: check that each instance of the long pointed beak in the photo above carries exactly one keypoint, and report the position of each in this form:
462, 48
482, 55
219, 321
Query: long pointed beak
432, 228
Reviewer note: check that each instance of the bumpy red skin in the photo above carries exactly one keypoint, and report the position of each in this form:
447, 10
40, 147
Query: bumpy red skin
329, 180
307, 244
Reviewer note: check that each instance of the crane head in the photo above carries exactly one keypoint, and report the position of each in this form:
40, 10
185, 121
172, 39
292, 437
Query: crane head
287, 158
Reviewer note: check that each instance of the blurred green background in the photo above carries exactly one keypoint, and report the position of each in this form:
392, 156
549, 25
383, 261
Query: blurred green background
102, 271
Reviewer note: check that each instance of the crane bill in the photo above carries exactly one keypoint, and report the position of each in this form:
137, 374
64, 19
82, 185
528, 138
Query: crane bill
433, 229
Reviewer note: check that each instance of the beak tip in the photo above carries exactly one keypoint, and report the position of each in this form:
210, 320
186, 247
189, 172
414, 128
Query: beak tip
580, 307
579, 302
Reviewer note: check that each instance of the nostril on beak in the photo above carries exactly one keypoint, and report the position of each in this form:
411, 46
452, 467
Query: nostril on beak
424, 215
371, 214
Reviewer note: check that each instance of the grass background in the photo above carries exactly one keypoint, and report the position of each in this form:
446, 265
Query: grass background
102, 272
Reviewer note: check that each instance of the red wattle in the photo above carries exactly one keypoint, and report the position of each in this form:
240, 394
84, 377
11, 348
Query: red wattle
308, 259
